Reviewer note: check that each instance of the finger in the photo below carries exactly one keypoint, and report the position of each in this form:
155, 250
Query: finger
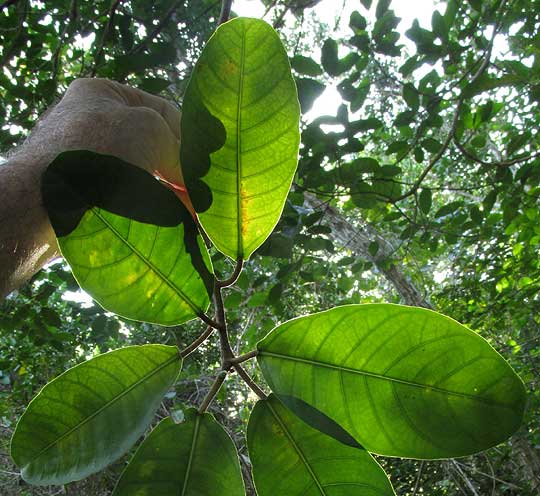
142, 137
104, 92
138, 98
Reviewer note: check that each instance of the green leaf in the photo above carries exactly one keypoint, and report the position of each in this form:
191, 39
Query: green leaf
373, 248
240, 135
193, 458
405, 118
431, 145
154, 85
365, 125
382, 7
357, 22
308, 91
360, 97
448, 209
307, 461
384, 26
329, 57
424, 200
130, 242
306, 65
479, 141
93, 413
366, 164
402, 381
438, 24
422, 37
410, 95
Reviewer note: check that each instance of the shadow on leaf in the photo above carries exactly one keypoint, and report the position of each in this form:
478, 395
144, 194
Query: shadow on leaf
318, 420
202, 135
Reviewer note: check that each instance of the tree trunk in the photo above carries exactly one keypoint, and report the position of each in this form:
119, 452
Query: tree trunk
358, 240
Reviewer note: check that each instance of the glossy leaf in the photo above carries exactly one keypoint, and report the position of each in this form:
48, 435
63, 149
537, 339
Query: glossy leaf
93, 413
131, 244
240, 135
308, 462
402, 381
193, 458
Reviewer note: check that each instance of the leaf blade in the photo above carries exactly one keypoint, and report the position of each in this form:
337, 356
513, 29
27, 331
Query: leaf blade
240, 176
130, 242
194, 457
82, 420
278, 441
414, 407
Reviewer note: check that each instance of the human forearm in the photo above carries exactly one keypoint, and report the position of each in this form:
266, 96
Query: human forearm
27, 240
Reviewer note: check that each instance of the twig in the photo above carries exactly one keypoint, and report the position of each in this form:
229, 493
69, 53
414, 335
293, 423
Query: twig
472, 469
220, 378
454, 124
10, 51
226, 349
418, 477
493, 478
249, 381
188, 350
159, 27
504, 163
467, 481
208, 321
269, 8
279, 19
244, 357
225, 11
234, 276
72, 17
106, 31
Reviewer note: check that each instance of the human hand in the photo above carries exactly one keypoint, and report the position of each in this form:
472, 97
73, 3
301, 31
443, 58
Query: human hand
97, 115
114, 119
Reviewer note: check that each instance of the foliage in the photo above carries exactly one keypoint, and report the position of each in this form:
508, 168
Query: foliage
432, 155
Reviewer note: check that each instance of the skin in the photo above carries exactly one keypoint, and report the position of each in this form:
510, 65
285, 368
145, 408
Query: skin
97, 115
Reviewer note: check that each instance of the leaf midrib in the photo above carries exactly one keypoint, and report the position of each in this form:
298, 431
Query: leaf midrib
385, 378
155, 269
105, 406
239, 213
297, 449
190, 459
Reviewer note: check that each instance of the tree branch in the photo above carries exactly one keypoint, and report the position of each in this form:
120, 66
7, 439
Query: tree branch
504, 163
159, 27
249, 381
418, 477
454, 124
72, 17
188, 350
234, 276
244, 357
226, 350
226, 6
220, 378
106, 32
210, 322
358, 240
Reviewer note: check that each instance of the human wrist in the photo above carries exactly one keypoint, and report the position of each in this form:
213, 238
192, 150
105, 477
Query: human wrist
27, 240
